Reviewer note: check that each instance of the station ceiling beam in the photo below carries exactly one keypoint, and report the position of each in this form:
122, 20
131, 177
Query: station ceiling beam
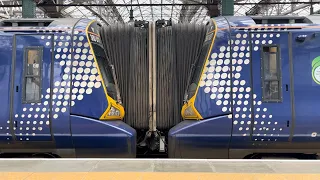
115, 12
108, 14
187, 12
98, 15
260, 7
296, 8
4, 16
49, 8
120, 5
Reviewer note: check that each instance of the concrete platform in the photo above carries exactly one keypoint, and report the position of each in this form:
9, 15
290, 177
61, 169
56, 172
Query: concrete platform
157, 169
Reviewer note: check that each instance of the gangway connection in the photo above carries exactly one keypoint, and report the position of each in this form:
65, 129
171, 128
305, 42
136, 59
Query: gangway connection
156, 58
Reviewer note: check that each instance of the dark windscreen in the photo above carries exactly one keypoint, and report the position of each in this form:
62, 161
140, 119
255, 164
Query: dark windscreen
105, 68
199, 66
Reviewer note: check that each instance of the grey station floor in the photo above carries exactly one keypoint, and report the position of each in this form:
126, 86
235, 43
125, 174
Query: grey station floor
159, 165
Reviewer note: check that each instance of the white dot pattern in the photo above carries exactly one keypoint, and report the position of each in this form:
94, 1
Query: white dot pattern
34, 118
216, 82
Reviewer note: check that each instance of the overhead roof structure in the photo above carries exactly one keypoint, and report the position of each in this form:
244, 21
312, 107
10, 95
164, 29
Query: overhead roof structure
147, 13
276, 7
15, 12
176, 10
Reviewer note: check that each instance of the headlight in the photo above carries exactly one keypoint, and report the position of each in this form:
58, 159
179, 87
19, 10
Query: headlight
189, 112
114, 111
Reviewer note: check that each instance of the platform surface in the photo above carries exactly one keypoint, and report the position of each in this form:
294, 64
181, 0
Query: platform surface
87, 169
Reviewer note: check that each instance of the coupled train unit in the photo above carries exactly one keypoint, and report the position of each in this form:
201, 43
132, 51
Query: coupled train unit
58, 94
251, 90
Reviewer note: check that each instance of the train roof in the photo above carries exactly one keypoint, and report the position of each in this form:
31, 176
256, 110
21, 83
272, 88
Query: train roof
280, 19
234, 20
311, 20
31, 22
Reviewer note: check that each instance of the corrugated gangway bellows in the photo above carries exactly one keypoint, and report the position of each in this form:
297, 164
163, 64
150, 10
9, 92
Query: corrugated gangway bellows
177, 48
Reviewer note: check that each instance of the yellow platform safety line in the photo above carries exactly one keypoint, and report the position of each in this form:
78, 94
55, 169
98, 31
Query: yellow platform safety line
153, 176
111, 102
193, 98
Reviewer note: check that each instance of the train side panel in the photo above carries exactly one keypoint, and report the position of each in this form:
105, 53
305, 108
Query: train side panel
96, 138
31, 103
200, 139
264, 108
241, 83
91, 136
5, 74
68, 79
88, 97
282, 119
214, 93
210, 137
271, 81
39, 120
274, 73
306, 78
61, 85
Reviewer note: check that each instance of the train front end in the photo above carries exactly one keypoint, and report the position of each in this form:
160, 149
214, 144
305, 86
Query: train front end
206, 129
97, 111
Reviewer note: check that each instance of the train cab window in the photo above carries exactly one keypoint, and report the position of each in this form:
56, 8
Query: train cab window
106, 71
196, 74
271, 74
198, 70
32, 75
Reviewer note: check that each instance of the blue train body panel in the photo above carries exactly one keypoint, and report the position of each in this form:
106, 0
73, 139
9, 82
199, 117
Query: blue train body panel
31, 116
52, 94
5, 72
241, 85
306, 100
200, 139
109, 138
213, 85
87, 88
263, 79
271, 119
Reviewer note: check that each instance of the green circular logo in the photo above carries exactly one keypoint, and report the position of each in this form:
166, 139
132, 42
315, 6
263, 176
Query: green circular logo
316, 70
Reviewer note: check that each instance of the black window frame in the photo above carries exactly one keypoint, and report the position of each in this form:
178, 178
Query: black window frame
105, 68
277, 79
25, 75
198, 67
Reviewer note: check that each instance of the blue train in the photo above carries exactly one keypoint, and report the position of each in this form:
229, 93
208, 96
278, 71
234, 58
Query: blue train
253, 91
58, 92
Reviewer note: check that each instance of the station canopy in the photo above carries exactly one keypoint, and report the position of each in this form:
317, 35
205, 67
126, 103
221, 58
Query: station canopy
148, 13
176, 10
192, 13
